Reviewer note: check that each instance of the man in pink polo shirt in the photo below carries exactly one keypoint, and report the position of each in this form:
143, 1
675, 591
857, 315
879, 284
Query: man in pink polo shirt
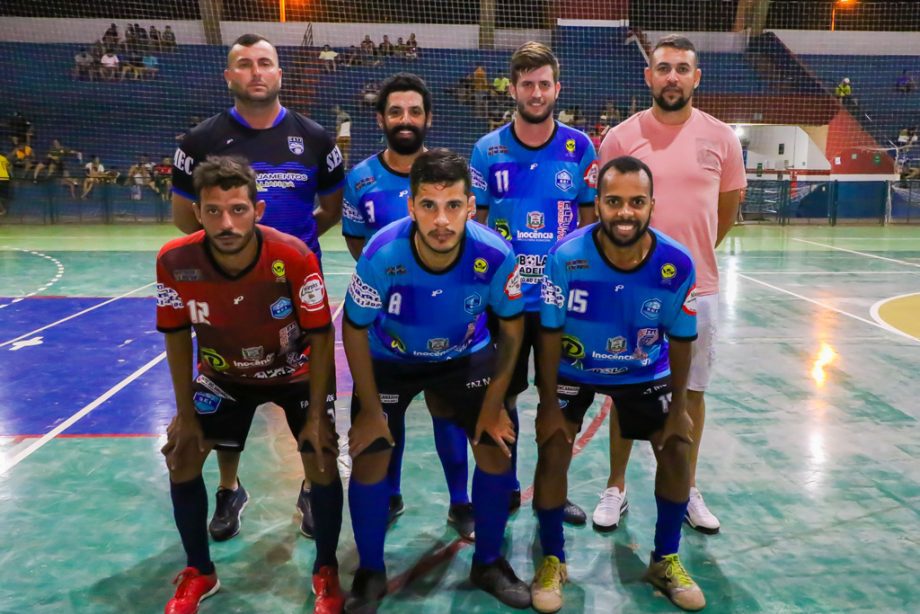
699, 174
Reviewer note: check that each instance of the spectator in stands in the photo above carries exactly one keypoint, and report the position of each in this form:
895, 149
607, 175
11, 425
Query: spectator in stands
500, 86
386, 47
54, 163
327, 56
133, 64
155, 39
5, 183
143, 40
342, 133
412, 48
400, 49
496, 118
579, 120
83, 65
110, 38
353, 57
97, 50
168, 39
22, 158
151, 65
368, 47
20, 128
844, 91
904, 137
480, 83
905, 83
94, 175
108, 65
140, 174
129, 44
162, 177
370, 93
566, 116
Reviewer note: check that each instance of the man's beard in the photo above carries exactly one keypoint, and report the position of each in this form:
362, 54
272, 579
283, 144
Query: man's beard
677, 105
266, 99
642, 229
406, 146
524, 114
246, 239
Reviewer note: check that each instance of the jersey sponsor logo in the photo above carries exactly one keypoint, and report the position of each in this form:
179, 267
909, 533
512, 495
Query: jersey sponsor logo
568, 390
287, 336
618, 287
397, 345
282, 308
551, 294
572, 347
253, 353
205, 402
313, 293
504, 229
250, 364
564, 217
215, 360
564, 180
281, 179
478, 180
334, 159
646, 337
570, 145
396, 270
616, 345
535, 220
238, 300
472, 303
439, 344
513, 284
668, 271
365, 182
187, 275
651, 308
591, 175
436, 292
609, 370
351, 213
295, 144
167, 297
576, 265
482, 382
208, 383
534, 235
603, 356
363, 294
183, 161
389, 399
480, 265
296, 359
531, 266
276, 372
689, 306
495, 150
278, 268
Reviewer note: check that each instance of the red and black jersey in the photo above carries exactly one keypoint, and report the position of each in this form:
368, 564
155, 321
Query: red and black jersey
250, 326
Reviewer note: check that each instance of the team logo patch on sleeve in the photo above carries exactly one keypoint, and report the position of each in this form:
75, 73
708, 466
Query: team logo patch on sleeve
168, 297
690, 302
363, 294
591, 175
551, 294
478, 181
513, 284
313, 293
351, 213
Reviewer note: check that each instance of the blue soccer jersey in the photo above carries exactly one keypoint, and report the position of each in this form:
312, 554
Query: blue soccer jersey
375, 195
614, 322
533, 194
418, 315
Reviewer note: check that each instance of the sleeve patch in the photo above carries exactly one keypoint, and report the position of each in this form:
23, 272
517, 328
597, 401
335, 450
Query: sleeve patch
478, 180
313, 293
168, 297
513, 284
591, 175
552, 294
690, 301
363, 294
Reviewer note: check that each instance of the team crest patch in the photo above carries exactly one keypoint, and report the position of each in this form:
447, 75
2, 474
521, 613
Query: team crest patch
564, 180
535, 220
570, 145
278, 268
295, 144
668, 271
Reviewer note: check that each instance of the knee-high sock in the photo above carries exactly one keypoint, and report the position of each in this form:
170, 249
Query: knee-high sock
450, 442
326, 503
491, 496
667, 527
190, 509
552, 537
369, 505
397, 423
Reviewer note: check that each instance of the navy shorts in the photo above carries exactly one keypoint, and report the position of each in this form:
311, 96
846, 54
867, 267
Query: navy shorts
519, 379
642, 408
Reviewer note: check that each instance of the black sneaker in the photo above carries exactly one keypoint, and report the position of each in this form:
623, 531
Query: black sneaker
306, 512
499, 580
572, 514
228, 513
460, 516
397, 507
367, 590
515, 503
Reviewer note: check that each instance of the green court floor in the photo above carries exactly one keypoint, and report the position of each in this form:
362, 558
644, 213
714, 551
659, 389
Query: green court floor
811, 457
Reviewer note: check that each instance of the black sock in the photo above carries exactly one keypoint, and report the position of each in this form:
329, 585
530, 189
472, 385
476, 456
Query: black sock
326, 503
190, 509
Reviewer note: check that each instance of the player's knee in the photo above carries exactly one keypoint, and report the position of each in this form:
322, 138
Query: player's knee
370, 467
556, 452
491, 459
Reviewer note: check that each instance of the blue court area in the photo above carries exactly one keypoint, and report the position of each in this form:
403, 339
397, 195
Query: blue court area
811, 456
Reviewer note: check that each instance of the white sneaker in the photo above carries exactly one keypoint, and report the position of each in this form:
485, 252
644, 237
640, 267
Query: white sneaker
607, 514
698, 515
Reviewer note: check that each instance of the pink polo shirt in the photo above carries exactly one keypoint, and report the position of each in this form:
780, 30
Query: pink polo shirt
691, 163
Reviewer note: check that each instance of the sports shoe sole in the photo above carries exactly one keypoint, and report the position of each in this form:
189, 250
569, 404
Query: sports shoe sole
610, 528
701, 529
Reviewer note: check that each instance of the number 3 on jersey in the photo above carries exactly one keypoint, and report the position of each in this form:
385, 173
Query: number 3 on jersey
578, 300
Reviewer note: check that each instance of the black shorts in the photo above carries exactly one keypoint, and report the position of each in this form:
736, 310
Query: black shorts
225, 410
5, 189
642, 408
460, 383
519, 381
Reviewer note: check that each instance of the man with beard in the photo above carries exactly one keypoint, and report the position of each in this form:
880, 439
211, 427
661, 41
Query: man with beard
376, 194
295, 160
534, 181
253, 337
612, 292
414, 322
699, 173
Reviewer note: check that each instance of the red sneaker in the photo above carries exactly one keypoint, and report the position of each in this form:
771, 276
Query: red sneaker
329, 597
194, 587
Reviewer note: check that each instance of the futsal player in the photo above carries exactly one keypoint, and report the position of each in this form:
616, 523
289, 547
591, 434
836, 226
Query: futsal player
618, 318
253, 329
295, 161
415, 321
534, 180
377, 193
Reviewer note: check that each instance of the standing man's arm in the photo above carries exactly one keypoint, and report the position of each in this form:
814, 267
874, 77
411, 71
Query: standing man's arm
371, 423
183, 189
479, 169
355, 246
329, 211
728, 213
184, 430
183, 215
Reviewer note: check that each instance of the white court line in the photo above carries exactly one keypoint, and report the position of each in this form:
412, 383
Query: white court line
108, 394
54, 280
873, 311
71, 317
830, 307
853, 251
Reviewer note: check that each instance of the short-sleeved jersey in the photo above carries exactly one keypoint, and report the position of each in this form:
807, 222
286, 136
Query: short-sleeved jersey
250, 326
294, 160
533, 194
691, 164
375, 195
613, 321
419, 315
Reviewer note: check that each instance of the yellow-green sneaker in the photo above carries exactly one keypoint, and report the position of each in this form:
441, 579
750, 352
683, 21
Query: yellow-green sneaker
669, 576
546, 589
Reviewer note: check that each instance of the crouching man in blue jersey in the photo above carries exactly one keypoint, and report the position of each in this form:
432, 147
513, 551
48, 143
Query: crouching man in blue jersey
617, 318
415, 321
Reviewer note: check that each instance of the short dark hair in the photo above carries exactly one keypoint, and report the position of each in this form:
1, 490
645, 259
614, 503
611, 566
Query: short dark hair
531, 56
626, 164
248, 40
403, 82
225, 172
676, 41
440, 165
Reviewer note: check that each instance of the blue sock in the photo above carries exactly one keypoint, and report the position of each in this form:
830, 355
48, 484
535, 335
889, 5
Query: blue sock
491, 496
450, 442
667, 527
369, 505
552, 538
397, 423
190, 509
326, 503
513, 414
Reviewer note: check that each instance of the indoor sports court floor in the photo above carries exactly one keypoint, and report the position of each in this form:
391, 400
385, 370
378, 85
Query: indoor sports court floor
811, 457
